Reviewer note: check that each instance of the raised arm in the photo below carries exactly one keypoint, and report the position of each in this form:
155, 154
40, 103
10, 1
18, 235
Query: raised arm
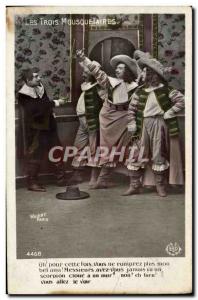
100, 76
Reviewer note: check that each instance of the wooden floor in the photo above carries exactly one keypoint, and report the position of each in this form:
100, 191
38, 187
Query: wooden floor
104, 225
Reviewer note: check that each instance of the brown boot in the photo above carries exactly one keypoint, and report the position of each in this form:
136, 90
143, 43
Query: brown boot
35, 187
160, 179
60, 174
94, 176
132, 190
77, 176
103, 181
32, 181
135, 183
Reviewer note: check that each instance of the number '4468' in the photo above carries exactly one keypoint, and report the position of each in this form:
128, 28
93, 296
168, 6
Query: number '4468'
33, 253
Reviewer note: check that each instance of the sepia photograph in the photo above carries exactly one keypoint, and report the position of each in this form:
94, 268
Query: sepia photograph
100, 137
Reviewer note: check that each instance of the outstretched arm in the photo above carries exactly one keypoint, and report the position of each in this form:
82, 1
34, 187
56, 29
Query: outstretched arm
38, 107
100, 76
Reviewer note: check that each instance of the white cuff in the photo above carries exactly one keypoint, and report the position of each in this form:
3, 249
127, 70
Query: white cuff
160, 168
56, 103
132, 168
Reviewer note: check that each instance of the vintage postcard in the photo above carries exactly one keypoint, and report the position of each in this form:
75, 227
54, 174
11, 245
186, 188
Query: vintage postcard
99, 150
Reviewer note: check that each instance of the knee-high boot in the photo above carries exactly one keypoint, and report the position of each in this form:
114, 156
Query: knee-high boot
94, 176
160, 179
77, 176
103, 180
135, 184
60, 174
32, 180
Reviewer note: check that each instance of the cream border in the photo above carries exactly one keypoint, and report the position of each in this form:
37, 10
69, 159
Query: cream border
21, 280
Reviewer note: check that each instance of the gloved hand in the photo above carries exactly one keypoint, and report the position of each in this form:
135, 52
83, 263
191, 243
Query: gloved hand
59, 102
132, 128
169, 114
80, 54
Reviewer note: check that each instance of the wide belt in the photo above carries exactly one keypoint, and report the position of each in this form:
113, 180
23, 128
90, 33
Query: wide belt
119, 107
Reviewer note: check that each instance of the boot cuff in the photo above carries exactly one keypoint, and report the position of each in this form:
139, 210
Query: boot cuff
160, 168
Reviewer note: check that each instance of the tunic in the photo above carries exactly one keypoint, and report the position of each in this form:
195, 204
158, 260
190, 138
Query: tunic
157, 138
116, 95
87, 137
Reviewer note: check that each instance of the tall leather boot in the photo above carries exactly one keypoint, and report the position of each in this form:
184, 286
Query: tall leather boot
103, 181
60, 174
160, 179
94, 176
32, 180
135, 184
77, 176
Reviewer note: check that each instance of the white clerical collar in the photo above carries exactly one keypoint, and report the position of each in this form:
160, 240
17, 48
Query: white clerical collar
152, 88
33, 92
85, 86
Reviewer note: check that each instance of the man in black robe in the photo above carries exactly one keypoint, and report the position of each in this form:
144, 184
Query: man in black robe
40, 128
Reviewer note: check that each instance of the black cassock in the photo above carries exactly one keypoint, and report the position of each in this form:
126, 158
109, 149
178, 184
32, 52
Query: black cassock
39, 124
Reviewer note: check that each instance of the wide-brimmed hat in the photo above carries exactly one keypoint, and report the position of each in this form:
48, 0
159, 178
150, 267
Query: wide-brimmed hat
139, 54
155, 65
72, 193
128, 61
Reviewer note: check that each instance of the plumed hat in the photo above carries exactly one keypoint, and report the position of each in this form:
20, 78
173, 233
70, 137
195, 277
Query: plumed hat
155, 65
